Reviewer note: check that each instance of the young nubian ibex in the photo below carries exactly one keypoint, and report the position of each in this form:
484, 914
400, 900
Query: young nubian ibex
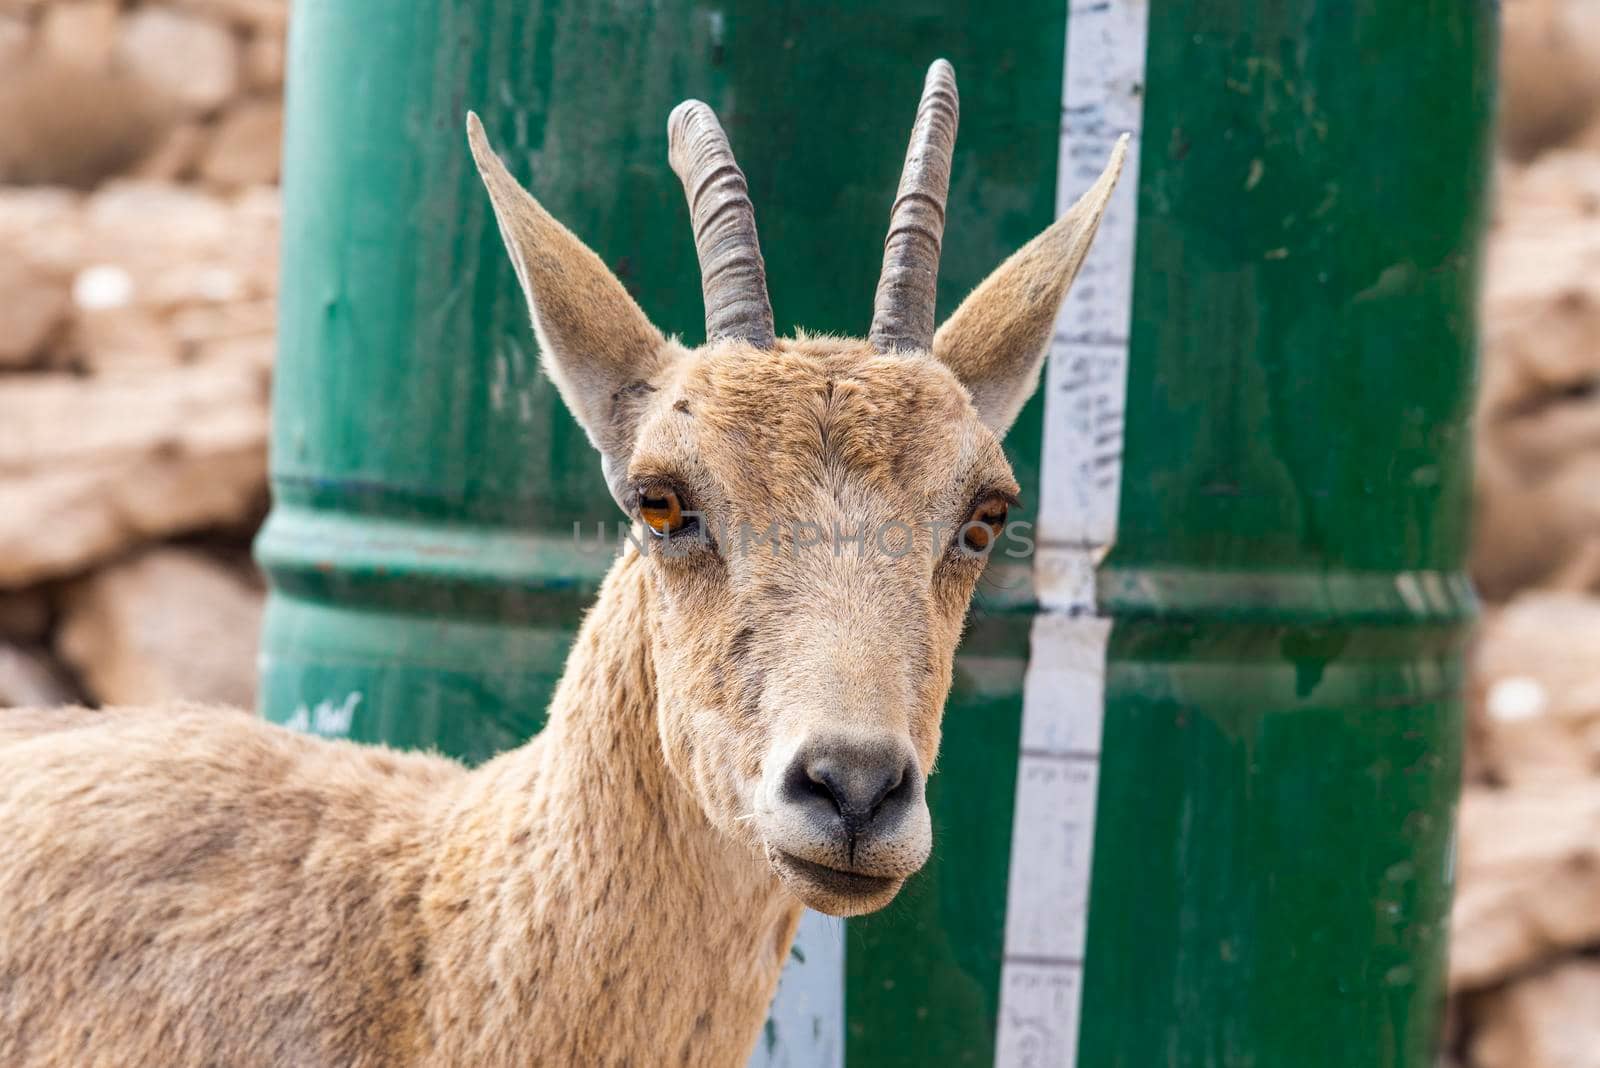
739, 732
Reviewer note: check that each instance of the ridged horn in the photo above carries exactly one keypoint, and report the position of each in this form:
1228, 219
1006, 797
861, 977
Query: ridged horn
902, 312
732, 275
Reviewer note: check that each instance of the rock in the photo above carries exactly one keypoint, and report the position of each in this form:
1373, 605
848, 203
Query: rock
144, 223
1528, 879
125, 338
262, 16
33, 308
247, 146
1549, 72
1535, 690
16, 39
1558, 187
80, 33
1538, 418
265, 58
67, 126
238, 333
24, 616
160, 249
176, 156
1589, 139
135, 215
1547, 1021
149, 455
170, 308
256, 350
183, 246
201, 323
190, 59
28, 679
43, 227
167, 625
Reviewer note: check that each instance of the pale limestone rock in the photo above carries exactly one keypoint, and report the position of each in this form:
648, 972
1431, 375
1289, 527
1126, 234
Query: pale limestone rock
1558, 187
260, 211
1545, 1021
265, 58
166, 625
16, 40
262, 16
239, 333
201, 323
190, 59
1588, 140
136, 224
171, 309
247, 146
185, 246
79, 33
43, 226
33, 308
65, 125
172, 247
176, 157
123, 339
138, 215
28, 679
1535, 691
91, 467
1537, 432
1528, 879
1549, 72
64, 419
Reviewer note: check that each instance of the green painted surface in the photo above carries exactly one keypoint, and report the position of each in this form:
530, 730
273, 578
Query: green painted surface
426, 478
1281, 754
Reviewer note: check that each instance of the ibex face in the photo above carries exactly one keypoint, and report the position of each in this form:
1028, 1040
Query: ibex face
818, 509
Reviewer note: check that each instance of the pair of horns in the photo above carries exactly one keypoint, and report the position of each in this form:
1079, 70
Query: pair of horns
733, 277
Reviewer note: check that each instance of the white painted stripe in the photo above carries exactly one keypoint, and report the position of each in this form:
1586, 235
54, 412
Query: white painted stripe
1063, 704
805, 1027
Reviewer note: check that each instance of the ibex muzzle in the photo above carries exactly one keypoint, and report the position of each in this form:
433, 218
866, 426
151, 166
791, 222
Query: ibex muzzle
848, 822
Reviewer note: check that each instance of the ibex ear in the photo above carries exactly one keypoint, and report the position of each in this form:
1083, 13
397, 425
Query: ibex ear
596, 344
996, 341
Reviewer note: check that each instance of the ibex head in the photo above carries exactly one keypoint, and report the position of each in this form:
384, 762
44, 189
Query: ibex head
820, 508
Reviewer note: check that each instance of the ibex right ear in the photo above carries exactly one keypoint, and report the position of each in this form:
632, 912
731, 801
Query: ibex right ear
596, 344
996, 341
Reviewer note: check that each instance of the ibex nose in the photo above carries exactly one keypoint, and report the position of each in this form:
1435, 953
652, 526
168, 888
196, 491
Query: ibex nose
853, 784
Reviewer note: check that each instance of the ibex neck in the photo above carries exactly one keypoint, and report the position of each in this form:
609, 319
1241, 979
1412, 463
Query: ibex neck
613, 923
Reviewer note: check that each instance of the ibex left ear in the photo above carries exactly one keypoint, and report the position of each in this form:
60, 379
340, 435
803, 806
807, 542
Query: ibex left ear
996, 341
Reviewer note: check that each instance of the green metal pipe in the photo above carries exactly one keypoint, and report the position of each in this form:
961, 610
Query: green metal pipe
1281, 751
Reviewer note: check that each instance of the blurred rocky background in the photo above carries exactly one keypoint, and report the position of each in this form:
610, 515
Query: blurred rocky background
139, 154
139, 146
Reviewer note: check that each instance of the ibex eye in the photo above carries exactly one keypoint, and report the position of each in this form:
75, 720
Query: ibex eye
984, 525
661, 511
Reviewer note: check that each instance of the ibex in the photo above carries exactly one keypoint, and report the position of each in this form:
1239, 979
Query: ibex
740, 731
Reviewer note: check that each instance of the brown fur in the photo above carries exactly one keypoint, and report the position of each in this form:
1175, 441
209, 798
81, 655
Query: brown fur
189, 887
325, 903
